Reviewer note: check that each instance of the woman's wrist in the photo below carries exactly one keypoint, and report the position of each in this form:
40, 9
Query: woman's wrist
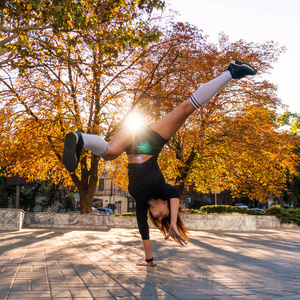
149, 260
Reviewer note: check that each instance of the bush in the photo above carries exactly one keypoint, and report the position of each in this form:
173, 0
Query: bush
128, 214
222, 209
192, 211
285, 215
254, 212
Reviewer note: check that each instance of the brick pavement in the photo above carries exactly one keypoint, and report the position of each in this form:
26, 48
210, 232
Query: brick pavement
65, 264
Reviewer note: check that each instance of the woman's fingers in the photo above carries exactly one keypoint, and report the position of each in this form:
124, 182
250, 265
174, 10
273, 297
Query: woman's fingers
180, 239
183, 241
167, 236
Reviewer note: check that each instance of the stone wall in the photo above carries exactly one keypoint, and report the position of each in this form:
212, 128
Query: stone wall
219, 222
192, 221
77, 221
267, 222
11, 219
15, 219
272, 222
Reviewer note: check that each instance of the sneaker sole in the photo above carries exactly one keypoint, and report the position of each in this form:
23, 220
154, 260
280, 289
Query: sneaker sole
69, 155
233, 62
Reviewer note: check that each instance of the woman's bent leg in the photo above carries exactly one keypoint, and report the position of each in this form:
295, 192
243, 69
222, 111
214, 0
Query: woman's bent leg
119, 143
75, 141
95, 144
111, 150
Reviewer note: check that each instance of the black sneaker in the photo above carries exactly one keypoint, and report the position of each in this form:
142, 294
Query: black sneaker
239, 69
72, 150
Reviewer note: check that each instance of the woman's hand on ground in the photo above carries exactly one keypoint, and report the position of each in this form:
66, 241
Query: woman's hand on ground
146, 264
173, 231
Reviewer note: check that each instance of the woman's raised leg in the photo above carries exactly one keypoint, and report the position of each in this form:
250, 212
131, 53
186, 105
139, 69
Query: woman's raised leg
169, 124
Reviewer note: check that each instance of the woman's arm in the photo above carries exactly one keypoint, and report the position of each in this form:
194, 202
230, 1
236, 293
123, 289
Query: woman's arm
142, 220
173, 231
147, 249
148, 254
174, 210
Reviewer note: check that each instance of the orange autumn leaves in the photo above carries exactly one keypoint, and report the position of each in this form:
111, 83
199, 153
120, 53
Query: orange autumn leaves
233, 140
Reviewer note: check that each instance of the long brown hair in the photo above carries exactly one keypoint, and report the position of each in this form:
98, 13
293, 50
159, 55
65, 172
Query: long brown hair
164, 226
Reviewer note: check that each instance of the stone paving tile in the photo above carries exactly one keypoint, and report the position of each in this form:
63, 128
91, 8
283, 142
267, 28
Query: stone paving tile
67, 264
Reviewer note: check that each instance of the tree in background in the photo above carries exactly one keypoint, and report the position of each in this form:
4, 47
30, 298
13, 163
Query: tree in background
20, 20
72, 72
232, 143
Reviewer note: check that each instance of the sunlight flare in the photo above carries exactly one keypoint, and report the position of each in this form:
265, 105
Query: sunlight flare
135, 121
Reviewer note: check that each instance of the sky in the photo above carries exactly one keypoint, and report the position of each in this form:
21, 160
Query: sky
255, 21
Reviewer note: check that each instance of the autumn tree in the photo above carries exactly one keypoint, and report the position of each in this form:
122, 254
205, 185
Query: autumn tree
72, 78
232, 143
20, 20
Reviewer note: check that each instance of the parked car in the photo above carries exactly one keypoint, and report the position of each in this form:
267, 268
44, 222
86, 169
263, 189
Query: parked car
243, 206
106, 211
257, 209
95, 210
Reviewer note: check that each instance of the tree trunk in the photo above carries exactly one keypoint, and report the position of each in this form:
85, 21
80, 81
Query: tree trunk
88, 184
183, 172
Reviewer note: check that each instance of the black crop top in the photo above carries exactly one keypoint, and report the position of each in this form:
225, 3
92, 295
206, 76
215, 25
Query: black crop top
147, 142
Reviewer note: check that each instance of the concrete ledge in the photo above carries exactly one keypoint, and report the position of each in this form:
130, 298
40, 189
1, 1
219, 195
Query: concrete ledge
267, 222
219, 222
272, 222
192, 221
77, 221
11, 219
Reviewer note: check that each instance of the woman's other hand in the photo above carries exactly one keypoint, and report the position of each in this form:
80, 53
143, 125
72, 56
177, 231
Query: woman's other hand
173, 231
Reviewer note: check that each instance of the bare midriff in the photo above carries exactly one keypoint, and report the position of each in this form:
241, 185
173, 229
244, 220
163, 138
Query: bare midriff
138, 159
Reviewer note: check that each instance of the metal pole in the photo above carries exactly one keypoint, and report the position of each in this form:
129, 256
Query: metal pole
17, 196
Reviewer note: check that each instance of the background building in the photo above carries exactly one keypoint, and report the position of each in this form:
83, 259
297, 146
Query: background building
108, 195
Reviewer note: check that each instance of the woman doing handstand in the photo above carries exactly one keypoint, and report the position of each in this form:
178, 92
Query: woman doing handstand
146, 182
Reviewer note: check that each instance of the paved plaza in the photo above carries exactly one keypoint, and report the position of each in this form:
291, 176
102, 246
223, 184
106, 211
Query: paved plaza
66, 264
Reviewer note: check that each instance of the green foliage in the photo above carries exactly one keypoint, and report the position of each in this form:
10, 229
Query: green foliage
293, 182
253, 212
128, 214
115, 24
192, 211
290, 119
285, 215
222, 209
